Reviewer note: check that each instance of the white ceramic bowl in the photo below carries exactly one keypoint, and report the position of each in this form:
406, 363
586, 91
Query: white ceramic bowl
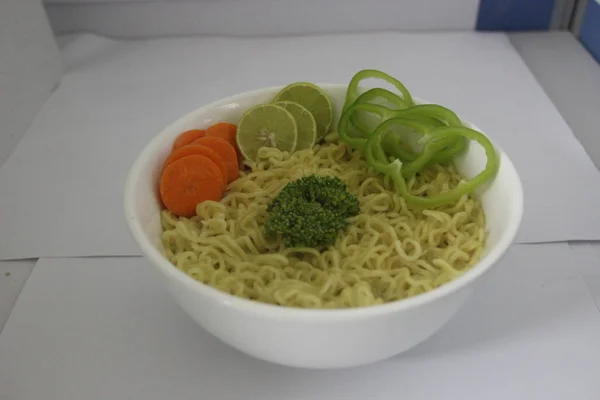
313, 338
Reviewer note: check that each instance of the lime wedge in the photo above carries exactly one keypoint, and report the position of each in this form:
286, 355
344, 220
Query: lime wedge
266, 125
314, 99
307, 127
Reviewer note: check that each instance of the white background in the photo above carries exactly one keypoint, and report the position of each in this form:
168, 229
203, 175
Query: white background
257, 17
29, 68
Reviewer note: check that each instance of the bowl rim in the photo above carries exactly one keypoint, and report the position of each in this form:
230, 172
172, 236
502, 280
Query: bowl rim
170, 272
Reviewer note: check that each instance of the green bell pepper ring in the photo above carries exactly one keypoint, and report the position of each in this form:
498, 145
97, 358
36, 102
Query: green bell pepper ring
395, 101
344, 123
413, 162
419, 124
352, 92
374, 151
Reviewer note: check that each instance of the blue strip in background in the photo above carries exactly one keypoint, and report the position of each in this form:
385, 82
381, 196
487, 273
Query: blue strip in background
514, 15
590, 29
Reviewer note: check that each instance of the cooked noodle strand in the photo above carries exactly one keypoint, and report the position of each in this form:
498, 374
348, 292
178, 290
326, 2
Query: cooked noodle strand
389, 252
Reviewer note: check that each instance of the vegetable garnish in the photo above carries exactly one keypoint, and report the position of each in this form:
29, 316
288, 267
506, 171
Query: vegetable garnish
188, 181
436, 140
203, 151
188, 137
266, 125
227, 153
311, 211
408, 137
397, 137
314, 99
224, 130
371, 96
431, 115
352, 92
305, 124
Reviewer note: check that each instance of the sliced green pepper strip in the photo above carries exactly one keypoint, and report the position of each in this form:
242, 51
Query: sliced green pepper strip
451, 151
394, 143
418, 122
432, 122
396, 102
429, 111
358, 143
446, 117
430, 150
415, 162
352, 92
393, 169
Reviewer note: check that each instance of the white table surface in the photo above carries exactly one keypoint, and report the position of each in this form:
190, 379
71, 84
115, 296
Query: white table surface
13, 275
538, 50
99, 328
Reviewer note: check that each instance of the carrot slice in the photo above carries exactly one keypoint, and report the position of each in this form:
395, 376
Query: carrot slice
188, 137
186, 182
200, 150
225, 131
227, 153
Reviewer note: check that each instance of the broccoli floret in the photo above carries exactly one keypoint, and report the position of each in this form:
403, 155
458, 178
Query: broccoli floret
311, 211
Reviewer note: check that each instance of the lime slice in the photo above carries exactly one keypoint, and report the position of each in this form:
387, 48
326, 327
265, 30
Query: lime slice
313, 99
307, 127
266, 125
